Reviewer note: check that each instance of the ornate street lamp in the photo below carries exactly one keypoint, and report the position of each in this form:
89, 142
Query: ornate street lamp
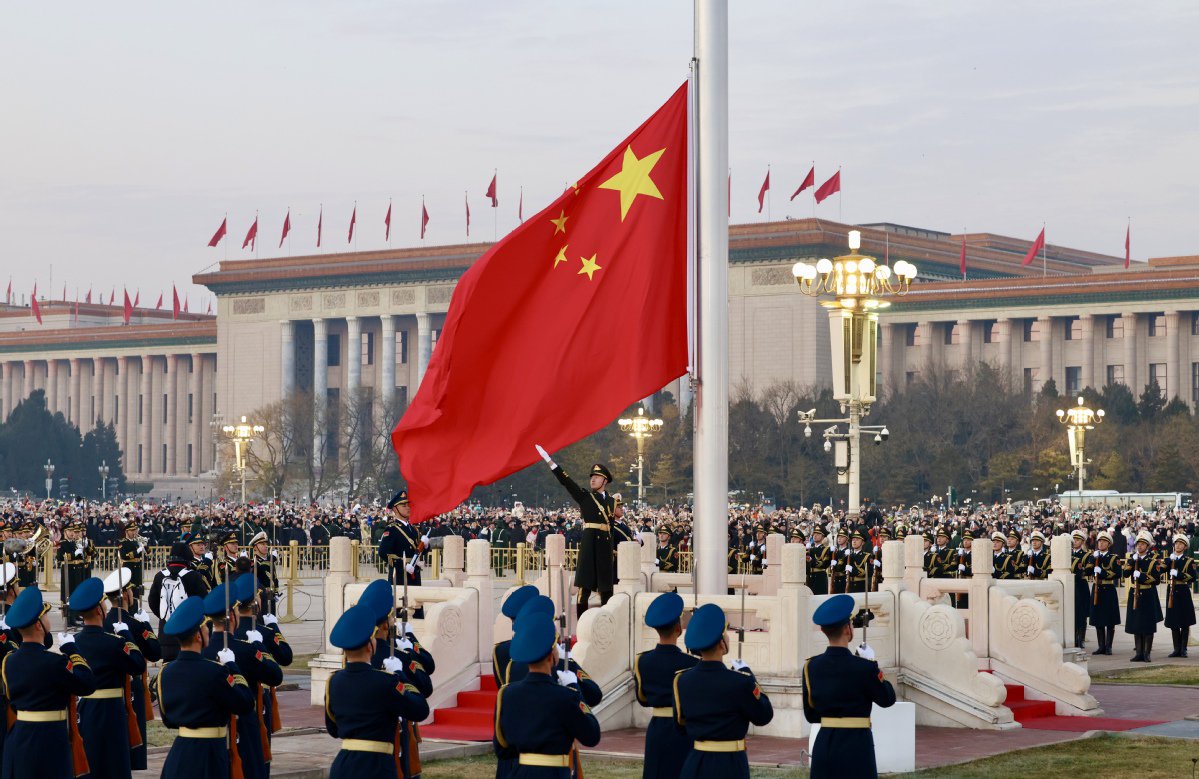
856, 282
640, 427
49, 469
103, 469
242, 435
1078, 421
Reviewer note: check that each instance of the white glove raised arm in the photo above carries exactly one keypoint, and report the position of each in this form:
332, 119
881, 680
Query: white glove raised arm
225, 656
120, 627
546, 456
253, 636
142, 616
567, 678
865, 652
403, 644
393, 664
270, 619
740, 665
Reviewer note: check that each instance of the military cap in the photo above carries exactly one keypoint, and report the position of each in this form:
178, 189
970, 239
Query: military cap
259, 537
663, 529
186, 617
77, 524
193, 538
354, 628
87, 595
26, 609
941, 531
534, 638
665, 610
857, 533
214, 601
538, 604
117, 581
516, 601
1144, 536
706, 627
399, 499
819, 529
227, 537
130, 524
1180, 538
928, 536
884, 533
617, 499
797, 533
599, 469
243, 588
997, 536
833, 611
379, 598
841, 531
1104, 536
8, 572
1038, 535
1013, 534
1079, 534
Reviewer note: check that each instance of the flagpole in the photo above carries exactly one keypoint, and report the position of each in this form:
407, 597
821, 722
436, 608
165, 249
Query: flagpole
1044, 262
495, 211
840, 198
224, 238
711, 472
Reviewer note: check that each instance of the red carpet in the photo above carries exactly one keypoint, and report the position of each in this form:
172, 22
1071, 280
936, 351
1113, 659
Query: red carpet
471, 720
1039, 715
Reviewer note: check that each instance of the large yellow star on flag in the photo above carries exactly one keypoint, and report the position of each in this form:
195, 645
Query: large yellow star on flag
560, 223
633, 179
561, 256
589, 266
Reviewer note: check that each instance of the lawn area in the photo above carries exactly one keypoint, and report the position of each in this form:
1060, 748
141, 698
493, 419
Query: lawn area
1166, 674
593, 768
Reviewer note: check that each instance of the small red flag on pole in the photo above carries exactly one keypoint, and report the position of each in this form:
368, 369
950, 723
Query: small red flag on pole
251, 235
808, 181
495, 201
320, 221
220, 232
286, 228
962, 259
185, 301
87, 299
64, 293
466, 200
174, 302
424, 218
209, 307
1037, 246
128, 307
8, 294
37, 309
1128, 245
353, 220
829, 188
387, 223
75, 319
762, 192
158, 305
112, 296
137, 298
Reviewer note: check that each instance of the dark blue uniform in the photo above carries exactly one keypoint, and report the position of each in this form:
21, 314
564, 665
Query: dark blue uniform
588, 689
6, 646
400, 542
259, 668
278, 648
104, 716
1081, 566
151, 649
716, 704
500, 662
416, 674
537, 718
666, 746
838, 685
35, 680
195, 693
363, 704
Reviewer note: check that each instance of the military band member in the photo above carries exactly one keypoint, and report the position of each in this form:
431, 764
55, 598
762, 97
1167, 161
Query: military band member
41, 687
539, 718
27, 563
201, 559
118, 588
1144, 609
401, 546
75, 555
666, 557
1017, 560
593, 572
1081, 563
819, 560
1105, 601
839, 690
199, 697
364, 705
1037, 562
715, 705
501, 659
1179, 572
107, 721
132, 551
666, 746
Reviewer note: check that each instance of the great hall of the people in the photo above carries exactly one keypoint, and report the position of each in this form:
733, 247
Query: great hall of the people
331, 324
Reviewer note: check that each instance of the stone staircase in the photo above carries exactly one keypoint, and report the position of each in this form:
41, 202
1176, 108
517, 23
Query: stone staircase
472, 719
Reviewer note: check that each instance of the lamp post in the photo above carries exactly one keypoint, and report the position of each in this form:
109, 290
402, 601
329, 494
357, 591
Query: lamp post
103, 469
856, 283
1078, 421
242, 435
49, 469
640, 427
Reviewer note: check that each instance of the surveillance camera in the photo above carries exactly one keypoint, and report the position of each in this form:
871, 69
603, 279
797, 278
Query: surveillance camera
828, 445
807, 431
878, 438
885, 433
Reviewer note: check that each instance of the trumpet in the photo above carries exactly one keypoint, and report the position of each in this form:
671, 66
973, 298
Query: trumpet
39, 543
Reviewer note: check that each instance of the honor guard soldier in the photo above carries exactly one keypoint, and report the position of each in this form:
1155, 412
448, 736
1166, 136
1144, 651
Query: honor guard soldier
946, 558
401, 546
363, 705
757, 551
819, 558
666, 557
666, 746
255, 664
200, 698
539, 718
280, 652
75, 555
201, 559
107, 721
1144, 609
27, 563
565, 668
858, 567
1017, 561
1080, 565
501, 660
132, 552
41, 687
1105, 600
837, 561
839, 690
1179, 573
224, 561
1036, 562
171, 586
999, 561
594, 570
265, 561
715, 706
118, 588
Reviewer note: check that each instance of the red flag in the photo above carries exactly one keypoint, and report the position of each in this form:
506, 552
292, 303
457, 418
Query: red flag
320, 221
424, 218
37, 309
495, 201
64, 293
808, 181
87, 299
251, 235
128, 307
387, 222
1127, 245
185, 301
833, 185
962, 259
466, 199
520, 207
535, 297
353, 220
174, 302
137, 297
209, 307
158, 305
762, 192
1037, 246
112, 296
220, 232
286, 228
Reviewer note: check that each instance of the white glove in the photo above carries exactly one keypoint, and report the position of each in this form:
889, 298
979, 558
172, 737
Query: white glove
270, 619
410, 569
62, 639
393, 665
1136, 574
419, 563
765, 563
253, 636
78, 552
142, 616
120, 627
1173, 573
657, 563
545, 456
225, 656
878, 563
876, 550
3, 624
1098, 570
1031, 569
865, 652
141, 548
403, 644
208, 555
424, 540
848, 567
752, 558
962, 567
740, 665
567, 678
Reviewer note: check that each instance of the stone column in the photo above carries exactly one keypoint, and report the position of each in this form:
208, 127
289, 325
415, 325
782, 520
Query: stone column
99, 390
198, 423
52, 399
424, 348
353, 355
287, 358
1004, 330
1059, 561
387, 369
5, 390
886, 358
1046, 349
76, 392
1087, 322
320, 387
147, 417
927, 352
172, 394
121, 412
1173, 363
982, 566
1131, 379
966, 341
27, 380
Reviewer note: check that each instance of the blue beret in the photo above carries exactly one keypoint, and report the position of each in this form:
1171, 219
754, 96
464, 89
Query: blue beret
379, 598
87, 595
835, 609
538, 604
214, 601
516, 601
535, 635
186, 617
243, 588
26, 609
665, 610
354, 628
706, 627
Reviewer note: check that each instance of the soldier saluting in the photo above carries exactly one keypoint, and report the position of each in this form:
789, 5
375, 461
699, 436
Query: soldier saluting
594, 570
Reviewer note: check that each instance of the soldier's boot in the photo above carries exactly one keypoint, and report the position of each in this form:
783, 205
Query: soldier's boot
1137, 642
1100, 632
1147, 648
1184, 639
1174, 635
1080, 638
1111, 638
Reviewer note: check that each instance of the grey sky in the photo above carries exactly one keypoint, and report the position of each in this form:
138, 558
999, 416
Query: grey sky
129, 129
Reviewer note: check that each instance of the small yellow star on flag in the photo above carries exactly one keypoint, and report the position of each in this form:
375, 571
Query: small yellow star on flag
589, 266
560, 223
561, 256
633, 179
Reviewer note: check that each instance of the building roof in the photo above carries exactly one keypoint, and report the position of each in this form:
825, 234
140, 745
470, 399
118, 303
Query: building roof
156, 336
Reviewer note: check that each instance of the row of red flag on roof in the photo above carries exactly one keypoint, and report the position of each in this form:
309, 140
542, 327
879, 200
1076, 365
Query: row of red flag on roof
826, 190
178, 306
1038, 247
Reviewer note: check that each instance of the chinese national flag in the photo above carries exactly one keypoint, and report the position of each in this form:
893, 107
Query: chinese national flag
762, 192
88, 299
251, 236
286, 228
387, 223
808, 181
353, 221
1037, 246
128, 307
490, 193
220, 232
37, 309
174, 302
829, 188
424, 219
540, 303
158, 305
